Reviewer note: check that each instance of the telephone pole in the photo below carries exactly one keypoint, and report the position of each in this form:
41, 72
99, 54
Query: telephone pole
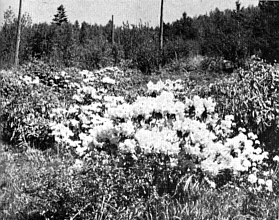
112, 30
18, 34
161, 25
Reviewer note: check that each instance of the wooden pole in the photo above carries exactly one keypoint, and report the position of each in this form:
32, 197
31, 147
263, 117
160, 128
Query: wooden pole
18, 35
112, 30
161, 25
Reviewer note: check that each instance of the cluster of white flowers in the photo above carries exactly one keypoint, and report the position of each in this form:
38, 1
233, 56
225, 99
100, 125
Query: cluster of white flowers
121, 111
237, 153
28, 80
164, 141
87, 90
103, 75
92, 108
128, 146
109, 70
114, 101
111, 120
260, 183
168, 86
201, 105
108, 80
224, 129
155, 87
61, 132
165, 103
89, 77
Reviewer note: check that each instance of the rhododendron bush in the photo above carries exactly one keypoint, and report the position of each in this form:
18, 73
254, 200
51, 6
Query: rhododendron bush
157, 123
102, 113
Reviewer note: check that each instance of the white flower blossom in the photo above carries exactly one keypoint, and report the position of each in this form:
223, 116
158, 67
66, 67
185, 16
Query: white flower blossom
261, 181
268, 184
276, 158
108, 80
252, 178
78, 164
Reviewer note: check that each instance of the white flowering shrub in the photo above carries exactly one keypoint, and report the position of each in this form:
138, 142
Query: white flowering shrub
123, 140
158, 123
159, 126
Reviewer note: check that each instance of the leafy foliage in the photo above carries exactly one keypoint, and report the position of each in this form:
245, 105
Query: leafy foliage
251, 95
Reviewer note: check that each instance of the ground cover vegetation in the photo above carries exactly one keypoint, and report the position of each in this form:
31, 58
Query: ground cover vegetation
186, 141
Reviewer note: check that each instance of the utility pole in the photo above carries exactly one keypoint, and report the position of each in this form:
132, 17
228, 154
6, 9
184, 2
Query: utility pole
112, 30
18, 34
161, 25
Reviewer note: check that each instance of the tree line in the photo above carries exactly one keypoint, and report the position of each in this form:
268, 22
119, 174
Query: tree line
233, 35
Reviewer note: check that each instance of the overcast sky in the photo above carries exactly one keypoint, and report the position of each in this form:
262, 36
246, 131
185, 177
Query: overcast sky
100, 11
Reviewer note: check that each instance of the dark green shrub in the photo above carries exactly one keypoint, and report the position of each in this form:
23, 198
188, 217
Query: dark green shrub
175, 50
251, 96
147, 58
25, 112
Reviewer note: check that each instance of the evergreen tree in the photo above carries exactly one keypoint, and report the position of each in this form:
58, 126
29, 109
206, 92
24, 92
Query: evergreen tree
61, 16
84, 33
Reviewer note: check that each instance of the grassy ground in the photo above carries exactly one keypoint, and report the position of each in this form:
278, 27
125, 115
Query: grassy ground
34, 186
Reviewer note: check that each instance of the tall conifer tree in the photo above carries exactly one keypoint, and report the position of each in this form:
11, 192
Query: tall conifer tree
61, 16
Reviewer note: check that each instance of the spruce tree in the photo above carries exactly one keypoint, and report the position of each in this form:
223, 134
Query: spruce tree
61, 16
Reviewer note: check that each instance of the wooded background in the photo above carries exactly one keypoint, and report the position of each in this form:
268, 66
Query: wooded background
233, 35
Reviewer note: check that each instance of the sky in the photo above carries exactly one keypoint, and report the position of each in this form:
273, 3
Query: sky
133, 11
